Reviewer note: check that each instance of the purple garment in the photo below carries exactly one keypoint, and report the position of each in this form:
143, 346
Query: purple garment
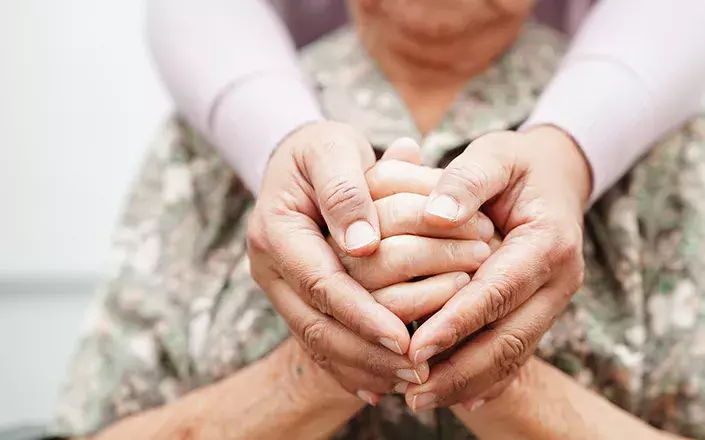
309, 19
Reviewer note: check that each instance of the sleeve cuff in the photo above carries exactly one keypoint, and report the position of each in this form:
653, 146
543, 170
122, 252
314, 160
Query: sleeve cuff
252, 118
606, 109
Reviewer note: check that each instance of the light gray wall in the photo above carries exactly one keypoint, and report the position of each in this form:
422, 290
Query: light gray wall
79, 104
39, 322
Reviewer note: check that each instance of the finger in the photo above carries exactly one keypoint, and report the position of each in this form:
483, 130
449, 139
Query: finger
412, 301
492, 393
327, 341
481, 172
494, 355
508, 277
495, 242
402, 214
302, 256
403, 149
360, 383
336, 170
404, 257
394, 176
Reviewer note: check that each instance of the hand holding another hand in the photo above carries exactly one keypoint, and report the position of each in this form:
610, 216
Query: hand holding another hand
317, 178
532, 185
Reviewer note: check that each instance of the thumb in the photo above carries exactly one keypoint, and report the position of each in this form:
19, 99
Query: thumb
335, 165
481, 172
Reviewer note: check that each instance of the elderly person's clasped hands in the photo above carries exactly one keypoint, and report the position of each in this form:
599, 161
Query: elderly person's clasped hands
404, 240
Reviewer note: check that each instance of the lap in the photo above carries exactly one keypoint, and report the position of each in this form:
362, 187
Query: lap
636, 331
182, 310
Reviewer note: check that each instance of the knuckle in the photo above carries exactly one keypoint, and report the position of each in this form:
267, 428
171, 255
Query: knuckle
470, 177
568, 242
258, 275
256, 236
568, 252
575, 276
321, 360
459, 379
500, 145
511, 350
341, 197
450, 250
316, 287
458, 328
313, 337
499, 300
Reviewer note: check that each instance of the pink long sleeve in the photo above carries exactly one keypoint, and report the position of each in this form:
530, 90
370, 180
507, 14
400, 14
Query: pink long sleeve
635, 71
231, 68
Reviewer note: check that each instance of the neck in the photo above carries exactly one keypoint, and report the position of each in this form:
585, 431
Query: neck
430, 70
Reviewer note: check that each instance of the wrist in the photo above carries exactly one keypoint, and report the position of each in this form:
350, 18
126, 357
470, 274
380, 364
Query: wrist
512, 414
310, 383
247, 126
560, 149
284, 392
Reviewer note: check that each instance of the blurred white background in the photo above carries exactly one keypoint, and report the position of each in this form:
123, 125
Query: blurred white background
79, 104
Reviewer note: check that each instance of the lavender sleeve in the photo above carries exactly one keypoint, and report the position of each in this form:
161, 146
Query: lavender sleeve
232, 71
635, 71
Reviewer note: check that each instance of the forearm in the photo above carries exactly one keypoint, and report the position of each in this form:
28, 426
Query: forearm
232, 71
634, 72
283, 393
545, 404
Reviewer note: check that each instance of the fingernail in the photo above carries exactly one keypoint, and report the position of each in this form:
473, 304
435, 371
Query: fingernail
425, 353
477, 404
367, 397
409, 376
392, 345
444, 207
462, 280
423, 370
405, 142
359, 234
481, 250
485, 229
422, 402
401, 387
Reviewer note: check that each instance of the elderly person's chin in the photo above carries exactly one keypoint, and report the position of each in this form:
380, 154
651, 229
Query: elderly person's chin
429, 49
442, 19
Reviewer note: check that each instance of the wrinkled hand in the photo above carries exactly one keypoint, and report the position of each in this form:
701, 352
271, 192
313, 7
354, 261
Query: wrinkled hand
315, 178
411, 248
533, 186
